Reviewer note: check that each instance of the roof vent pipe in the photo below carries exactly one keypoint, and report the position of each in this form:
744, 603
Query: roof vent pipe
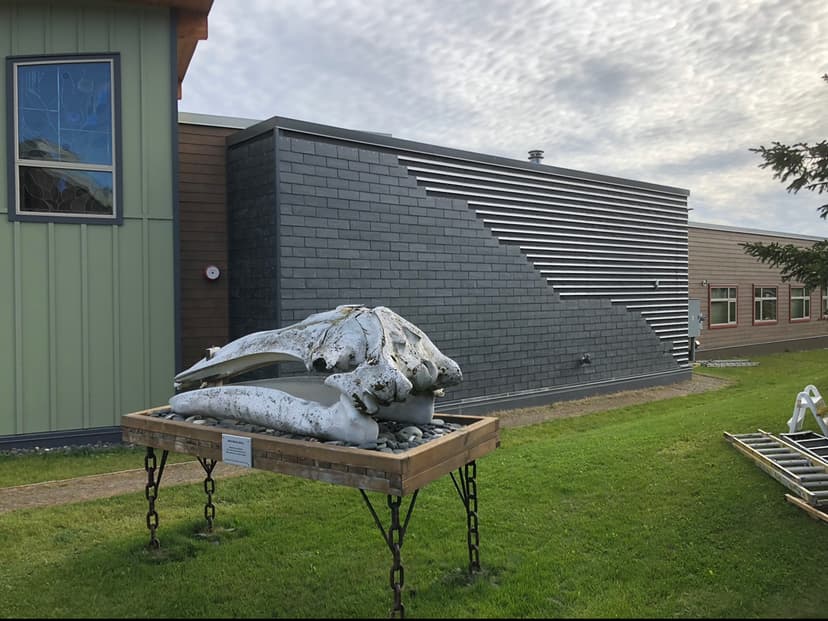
535, 156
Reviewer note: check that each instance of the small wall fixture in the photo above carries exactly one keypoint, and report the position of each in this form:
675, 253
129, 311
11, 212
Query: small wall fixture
705, 283
212, 272
586, 359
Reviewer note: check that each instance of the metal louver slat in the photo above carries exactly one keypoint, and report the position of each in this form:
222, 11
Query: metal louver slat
588, 238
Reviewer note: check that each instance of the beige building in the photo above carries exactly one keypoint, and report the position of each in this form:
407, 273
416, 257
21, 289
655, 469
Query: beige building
746, 306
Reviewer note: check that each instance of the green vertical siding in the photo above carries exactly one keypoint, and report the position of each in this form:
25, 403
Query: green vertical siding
132, 312
8, 423
31, 275
68, 339
87, 326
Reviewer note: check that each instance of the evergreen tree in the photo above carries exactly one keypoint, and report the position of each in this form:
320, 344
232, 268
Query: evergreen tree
801, 166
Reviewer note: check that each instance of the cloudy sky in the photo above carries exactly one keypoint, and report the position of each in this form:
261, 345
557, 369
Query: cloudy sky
673, 92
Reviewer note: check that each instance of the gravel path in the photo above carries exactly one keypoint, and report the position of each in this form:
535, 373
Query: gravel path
115, 483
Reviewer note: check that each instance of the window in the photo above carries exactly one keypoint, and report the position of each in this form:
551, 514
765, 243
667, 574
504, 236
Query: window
800, 303
764, 305
65, 145
722, 306
825, 302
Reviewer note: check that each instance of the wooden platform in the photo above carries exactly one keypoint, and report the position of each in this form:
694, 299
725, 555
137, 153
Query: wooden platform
390, 473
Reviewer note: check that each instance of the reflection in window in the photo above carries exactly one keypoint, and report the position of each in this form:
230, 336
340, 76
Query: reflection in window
800, 303
65, 191
722, 306
764, 304
65, 148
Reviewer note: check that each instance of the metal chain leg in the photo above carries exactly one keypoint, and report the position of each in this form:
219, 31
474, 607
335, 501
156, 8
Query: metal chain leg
151, 492
209, 489
471, 517
395, 541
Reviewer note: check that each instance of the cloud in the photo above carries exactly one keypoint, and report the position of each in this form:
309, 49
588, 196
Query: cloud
673, 92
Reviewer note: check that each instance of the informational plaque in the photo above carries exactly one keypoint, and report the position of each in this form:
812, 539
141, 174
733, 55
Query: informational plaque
236, 450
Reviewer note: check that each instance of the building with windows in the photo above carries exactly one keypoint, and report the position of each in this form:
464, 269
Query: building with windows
135, 237
543, 283
746, 305
89, 223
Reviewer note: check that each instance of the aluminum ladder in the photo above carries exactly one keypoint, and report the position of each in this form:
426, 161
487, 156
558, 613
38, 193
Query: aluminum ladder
808, 399
801, 470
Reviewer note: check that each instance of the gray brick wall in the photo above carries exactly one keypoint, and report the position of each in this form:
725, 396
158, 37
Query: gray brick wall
355, 228
252, 235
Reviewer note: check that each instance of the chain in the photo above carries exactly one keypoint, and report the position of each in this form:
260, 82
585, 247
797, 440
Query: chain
209, 489
471, 517
395, 541
151, 492
209, 507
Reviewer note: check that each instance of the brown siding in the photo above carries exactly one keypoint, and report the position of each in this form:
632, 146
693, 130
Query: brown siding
203, 236
717, 258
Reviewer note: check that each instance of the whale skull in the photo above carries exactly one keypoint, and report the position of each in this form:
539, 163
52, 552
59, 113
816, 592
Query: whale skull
378, 365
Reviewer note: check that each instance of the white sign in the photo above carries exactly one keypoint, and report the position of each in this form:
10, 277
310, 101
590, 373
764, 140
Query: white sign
236, 450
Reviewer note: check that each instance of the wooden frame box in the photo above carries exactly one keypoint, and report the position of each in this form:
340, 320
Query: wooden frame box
390, 473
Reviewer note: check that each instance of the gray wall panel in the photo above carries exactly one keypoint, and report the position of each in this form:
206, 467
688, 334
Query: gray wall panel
357, 226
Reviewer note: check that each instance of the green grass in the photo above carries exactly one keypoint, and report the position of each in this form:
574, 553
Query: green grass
644, 511
68, 463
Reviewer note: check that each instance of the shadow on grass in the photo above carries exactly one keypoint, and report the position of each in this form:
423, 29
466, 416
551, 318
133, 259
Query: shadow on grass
182, 542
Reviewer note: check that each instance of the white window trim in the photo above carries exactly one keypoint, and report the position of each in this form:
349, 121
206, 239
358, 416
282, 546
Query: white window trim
761, 300
806, 303
727, 300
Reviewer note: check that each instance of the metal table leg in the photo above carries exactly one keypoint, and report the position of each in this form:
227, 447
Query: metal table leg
467, 488
394, 538
151, 491
209, 489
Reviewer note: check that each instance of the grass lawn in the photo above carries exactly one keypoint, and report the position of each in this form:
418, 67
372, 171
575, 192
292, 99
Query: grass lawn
643, 511
60, 464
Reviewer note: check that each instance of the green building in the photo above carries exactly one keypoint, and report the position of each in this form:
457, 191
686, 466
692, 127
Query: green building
88, 227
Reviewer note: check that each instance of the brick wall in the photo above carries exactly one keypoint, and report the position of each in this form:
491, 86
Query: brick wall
349, 225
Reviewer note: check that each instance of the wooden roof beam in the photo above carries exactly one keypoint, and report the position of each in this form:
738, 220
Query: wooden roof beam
191, 28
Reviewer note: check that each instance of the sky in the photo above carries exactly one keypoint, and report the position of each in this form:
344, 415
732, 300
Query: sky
672, 92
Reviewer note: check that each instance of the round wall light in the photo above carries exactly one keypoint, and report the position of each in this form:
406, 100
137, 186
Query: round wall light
212, 272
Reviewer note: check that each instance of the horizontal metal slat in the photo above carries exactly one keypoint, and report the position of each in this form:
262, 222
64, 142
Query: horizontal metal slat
625, 242
597, 250
574, 180
596, 211
620, 233
549, 195
466, 194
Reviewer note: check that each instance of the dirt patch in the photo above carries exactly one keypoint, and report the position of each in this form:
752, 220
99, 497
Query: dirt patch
116, 483
105, 485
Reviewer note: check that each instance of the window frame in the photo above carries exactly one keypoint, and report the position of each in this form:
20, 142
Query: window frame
15, 162
823, 302
765, 322
734, 299
806, 298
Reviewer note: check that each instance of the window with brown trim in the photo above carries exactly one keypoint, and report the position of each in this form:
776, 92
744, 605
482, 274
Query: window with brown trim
764, 305
723, 307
